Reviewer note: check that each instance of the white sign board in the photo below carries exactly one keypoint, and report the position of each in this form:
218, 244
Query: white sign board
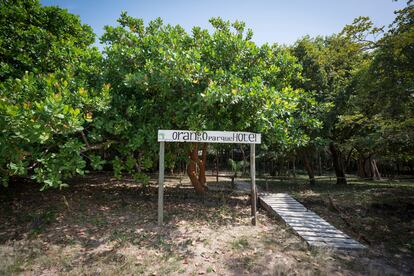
209, 136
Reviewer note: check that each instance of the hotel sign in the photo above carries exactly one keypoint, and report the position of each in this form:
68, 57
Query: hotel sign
209, 136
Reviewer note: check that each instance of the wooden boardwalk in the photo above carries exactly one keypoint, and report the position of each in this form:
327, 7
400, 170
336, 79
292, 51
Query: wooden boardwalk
242, 187
312, 228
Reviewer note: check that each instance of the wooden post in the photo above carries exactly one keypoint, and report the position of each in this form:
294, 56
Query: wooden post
217, 165
253, 179
161, 185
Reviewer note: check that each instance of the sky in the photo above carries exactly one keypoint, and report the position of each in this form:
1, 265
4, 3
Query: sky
276, 21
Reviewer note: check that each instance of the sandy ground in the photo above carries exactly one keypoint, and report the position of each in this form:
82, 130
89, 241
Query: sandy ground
101, 226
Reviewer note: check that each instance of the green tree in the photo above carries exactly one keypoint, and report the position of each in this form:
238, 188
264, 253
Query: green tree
50, 92
39, 39
381, 111
165, 78
329, 66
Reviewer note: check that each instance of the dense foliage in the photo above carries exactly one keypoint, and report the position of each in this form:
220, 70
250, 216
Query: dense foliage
381, 111
50, 90
165, 78
366, 75
65, 108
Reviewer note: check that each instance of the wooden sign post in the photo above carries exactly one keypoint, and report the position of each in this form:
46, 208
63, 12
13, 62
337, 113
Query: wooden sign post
207, 137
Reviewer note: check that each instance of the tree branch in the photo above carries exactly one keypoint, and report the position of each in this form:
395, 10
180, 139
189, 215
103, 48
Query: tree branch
97, 146
85, 140
4, 171
348, 159
93, 147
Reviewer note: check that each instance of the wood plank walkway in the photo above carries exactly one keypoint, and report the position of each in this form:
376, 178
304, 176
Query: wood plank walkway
243, 187
313, 229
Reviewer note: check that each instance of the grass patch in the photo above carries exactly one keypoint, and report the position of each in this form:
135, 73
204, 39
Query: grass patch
240, 243
39, 221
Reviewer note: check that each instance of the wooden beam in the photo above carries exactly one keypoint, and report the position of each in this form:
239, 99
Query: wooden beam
253, 180
161, 185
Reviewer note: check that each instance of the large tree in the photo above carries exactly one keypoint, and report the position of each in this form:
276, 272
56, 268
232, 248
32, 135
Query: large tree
165, 78
381, 111
329, 66
50, 91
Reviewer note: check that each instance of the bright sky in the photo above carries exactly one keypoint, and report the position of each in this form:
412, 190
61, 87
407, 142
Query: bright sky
277, 21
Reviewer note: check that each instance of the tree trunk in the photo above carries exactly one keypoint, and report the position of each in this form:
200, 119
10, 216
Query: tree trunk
367, 168
217, 166
319, 164
338, 165
361, 171
244, 160
348, 160
273, 169
309, 169
374, 170
202, 166
197, 180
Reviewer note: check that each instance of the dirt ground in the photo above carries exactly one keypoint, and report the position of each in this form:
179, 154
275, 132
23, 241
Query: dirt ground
101, 226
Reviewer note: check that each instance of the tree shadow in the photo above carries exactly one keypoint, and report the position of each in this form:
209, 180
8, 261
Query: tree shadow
98, 209
98, 215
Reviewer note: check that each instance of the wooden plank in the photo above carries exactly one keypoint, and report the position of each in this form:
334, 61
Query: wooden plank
322, 234
294, 215
287, 206
283, 203
299, 217
281, 200
293, 209
338, 245
330, 240
318, 230
313, 225
253, 180
161, 185
308, 222
242, 186
306, 219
